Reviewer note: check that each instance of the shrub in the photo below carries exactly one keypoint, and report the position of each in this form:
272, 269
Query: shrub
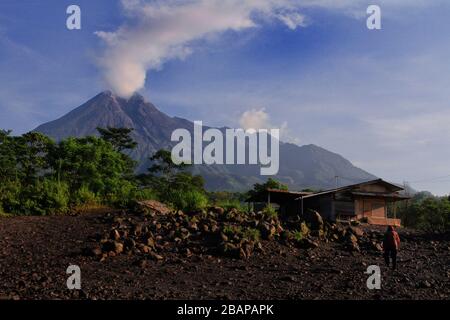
10, 195
270, 212
230, 230
83, 196
41, 198
189, 201
231, 204
54, 196
145, 194
252, 234
121, 195
298, 235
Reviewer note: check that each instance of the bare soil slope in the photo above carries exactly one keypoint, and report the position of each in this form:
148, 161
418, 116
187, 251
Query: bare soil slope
36, 251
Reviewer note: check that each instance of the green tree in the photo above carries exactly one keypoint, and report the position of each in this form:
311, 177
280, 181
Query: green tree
91, 163
118, 137
173, 183
427, 212
8, 161
260, 188
31, 151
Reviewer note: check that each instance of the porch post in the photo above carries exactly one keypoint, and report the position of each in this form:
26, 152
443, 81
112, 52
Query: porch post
302, 206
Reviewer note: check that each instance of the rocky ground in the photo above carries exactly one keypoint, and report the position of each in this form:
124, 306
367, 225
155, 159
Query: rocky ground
154, 253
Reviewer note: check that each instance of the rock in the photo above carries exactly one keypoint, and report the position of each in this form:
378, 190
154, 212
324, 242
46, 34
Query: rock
130, 243
267, 230
146, 249
356, 231
224, 237
155, 206
108, 246
355, 223
424, 284
141, 263
151, 243
351, 242
118, 220
341, 232
92, 252
188, 252
376, 246
353, 246
137, 229
308, 243
114, 234
304, 229
315, 219
352, 238
218, 210
118, 247
193, 226
242, 254
155, 256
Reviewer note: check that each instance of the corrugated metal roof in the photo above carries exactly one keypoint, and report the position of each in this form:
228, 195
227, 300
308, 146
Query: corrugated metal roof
394, 187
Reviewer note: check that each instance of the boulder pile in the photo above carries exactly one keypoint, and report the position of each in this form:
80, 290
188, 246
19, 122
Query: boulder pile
151, 230
310, 231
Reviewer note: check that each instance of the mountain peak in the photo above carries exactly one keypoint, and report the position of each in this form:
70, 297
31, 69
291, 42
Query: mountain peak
300, 167
137, 97
109, 94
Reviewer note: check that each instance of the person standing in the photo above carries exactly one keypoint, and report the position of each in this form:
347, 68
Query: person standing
391, 245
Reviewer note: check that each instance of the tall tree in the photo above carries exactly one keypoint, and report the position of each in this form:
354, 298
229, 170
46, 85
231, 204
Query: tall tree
119, 137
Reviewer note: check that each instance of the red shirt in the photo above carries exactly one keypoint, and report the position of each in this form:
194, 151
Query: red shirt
391, 241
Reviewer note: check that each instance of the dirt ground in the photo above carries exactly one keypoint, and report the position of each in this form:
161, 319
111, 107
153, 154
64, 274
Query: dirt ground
36, 251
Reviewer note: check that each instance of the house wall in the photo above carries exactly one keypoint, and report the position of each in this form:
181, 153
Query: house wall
327, 207
323, 205
344, 208
369, 207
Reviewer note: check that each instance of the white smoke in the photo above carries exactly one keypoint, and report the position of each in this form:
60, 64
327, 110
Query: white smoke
164, 30
160, 30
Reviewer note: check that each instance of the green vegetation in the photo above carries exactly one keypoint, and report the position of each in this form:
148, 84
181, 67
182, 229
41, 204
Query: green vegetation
298, 235
173, 184
39, 176
42, 177
240, 232
252, 234
270, 212
427, 212
259, 188
228, 200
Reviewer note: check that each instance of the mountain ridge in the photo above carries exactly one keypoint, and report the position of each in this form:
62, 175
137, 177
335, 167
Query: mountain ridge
307, 166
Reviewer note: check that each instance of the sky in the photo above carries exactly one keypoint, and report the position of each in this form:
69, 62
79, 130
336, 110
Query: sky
380, 98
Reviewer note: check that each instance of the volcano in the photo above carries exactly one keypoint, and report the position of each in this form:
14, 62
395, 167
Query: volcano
307, 166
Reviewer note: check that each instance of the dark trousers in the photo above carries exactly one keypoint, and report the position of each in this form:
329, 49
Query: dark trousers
392, 253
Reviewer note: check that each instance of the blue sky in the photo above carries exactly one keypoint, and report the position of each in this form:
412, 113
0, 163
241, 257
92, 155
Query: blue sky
379, 98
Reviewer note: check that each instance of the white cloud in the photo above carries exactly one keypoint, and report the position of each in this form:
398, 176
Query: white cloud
292, 20
259, 119
254, 119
